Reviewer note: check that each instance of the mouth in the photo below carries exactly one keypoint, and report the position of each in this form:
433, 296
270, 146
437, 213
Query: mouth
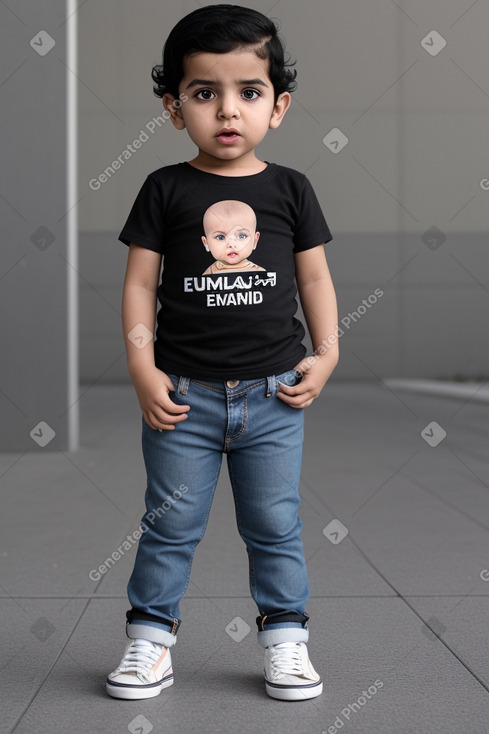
232, 255
228, 136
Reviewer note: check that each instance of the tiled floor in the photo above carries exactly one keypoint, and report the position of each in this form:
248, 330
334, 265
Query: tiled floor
399, 610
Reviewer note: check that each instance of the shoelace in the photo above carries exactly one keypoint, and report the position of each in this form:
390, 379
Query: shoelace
140, 657
286, 659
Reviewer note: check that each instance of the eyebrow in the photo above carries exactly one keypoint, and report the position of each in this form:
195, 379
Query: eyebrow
221, 231
210, 83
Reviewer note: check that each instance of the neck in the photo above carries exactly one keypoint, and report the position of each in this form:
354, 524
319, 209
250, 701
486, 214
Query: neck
243, 166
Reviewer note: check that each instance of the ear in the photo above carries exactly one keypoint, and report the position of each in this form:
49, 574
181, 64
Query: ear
174, 112
204, 242
257, 237
281, 106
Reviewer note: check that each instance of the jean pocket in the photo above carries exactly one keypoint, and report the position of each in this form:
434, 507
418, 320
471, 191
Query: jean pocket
290, 378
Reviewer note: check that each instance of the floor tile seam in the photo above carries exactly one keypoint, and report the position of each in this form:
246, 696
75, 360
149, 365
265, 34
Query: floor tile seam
408, 474
450, 649
405, 600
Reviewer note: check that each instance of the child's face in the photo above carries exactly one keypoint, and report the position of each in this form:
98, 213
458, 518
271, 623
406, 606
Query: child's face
231, 90
230, 239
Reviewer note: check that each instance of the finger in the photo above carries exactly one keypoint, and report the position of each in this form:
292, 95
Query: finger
163, 418
288, 389
155, 424
299, 389
170, 408
159, 423
296, 402
304, 404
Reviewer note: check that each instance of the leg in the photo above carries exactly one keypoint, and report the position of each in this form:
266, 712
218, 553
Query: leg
182, 470
264, 463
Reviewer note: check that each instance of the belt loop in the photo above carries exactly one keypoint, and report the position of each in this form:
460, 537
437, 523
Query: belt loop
271, 386
183, 383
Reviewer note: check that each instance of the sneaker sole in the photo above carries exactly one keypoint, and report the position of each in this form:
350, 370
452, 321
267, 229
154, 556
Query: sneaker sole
133, 693
294, 693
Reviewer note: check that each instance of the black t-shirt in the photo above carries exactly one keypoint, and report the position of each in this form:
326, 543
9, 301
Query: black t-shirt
228, 291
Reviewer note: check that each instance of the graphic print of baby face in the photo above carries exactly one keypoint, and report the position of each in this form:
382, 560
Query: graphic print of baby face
230, 236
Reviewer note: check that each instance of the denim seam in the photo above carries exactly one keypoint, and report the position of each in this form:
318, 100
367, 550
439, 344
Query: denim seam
250, 387
243, 425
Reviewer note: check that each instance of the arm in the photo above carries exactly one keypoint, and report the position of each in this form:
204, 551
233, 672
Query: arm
318, 300
138, 311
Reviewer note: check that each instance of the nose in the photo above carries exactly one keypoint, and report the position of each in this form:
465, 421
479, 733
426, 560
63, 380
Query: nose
228, 108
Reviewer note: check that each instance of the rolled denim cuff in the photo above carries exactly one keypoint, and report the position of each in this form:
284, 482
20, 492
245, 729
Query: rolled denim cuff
284, 634
153, 634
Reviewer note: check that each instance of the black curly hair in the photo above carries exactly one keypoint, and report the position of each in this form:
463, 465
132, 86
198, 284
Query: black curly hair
221, 29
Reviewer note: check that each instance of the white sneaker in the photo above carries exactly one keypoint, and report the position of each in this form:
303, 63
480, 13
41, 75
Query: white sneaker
289, 674
143, 672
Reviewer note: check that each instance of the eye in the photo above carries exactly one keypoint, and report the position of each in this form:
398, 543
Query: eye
242, 236
206, 94
220, 237
250, 94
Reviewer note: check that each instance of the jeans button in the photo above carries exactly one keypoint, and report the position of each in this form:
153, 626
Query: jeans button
232, 383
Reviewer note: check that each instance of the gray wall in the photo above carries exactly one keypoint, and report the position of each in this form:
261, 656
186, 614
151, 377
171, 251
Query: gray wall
416, 156
38, 372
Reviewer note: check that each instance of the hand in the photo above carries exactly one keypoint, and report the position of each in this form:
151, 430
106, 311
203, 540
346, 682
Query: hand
153, 389
315, 377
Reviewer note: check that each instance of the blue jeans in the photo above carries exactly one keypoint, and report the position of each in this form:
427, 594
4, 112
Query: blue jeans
262, 437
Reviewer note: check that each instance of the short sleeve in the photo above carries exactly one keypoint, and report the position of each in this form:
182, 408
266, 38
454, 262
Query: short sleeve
311, 228
144, 225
